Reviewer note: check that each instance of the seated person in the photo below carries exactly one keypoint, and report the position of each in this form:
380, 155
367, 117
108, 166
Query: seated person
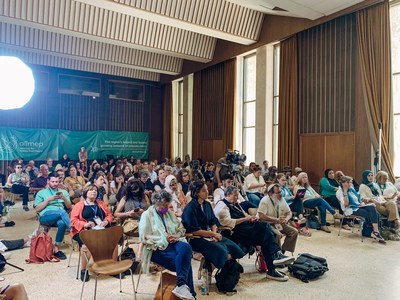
52, 204
19, 183
75, 183
219, 193
115, 186
164, 243
295, 205
100, 180
274, 210
183, 180
145, 182
133, 203
159, 184
40, 182
254, 186
199, 220
248, 231
353, 205
14, 291
371, 193
85, 215
388, 189
312, 199
178, 202
328, 186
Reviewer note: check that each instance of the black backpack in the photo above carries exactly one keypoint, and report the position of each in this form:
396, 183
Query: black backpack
312, 222
228, 276
308, 266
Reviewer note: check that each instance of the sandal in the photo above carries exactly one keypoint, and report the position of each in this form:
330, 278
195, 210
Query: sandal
346, 227
304, 231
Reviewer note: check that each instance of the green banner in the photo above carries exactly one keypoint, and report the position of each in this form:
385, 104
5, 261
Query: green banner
28, 143
40, 144
99, 144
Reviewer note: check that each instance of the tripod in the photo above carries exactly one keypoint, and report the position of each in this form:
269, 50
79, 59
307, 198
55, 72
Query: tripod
3, 260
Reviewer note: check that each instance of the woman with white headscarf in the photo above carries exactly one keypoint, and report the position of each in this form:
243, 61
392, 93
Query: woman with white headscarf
178, 202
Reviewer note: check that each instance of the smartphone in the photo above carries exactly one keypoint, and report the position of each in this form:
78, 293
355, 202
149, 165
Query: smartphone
58, 193
136, 209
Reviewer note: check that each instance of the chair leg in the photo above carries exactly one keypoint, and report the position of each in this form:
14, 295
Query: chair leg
341, 224
140, 274
95, 287
120, 282
83, 284
161, 285
133, 283
79, 264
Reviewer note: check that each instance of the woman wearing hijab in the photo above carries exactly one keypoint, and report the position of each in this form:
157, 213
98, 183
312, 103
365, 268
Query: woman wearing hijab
328, 186
370, 193
178, 202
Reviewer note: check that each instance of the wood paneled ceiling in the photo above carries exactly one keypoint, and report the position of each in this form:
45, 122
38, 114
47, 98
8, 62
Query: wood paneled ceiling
137, 38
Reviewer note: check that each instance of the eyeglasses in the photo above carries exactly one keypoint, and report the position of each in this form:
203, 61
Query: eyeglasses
18, 167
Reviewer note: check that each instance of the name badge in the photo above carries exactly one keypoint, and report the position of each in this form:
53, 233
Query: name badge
97, 220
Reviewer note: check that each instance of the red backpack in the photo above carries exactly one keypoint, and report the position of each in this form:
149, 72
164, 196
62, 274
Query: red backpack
42, 249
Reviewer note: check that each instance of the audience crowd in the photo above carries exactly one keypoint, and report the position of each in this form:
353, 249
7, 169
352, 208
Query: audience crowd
227, 210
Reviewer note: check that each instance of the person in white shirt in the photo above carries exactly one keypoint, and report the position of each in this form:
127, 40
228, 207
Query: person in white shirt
219, 193
274, 210
254, 185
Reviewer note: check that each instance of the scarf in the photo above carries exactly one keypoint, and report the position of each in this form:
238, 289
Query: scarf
332, 182
159, 232
369, 184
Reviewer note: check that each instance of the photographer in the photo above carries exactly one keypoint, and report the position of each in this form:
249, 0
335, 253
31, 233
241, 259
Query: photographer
221, 169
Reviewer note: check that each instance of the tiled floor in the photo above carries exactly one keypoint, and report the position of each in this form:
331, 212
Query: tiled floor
358, 270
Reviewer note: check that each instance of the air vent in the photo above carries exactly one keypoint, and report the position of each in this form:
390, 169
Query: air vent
78, 85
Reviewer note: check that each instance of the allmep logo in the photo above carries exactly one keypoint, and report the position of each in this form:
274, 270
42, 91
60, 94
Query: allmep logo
11, 144
8, 144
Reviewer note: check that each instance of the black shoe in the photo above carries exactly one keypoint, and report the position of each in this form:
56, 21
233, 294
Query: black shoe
276, 275
9, 203
60, 255
377, 237
25, 207
83, 278
280, 259
117, 276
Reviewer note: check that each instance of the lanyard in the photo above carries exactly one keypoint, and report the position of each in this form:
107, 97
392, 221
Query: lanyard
275, 208
91, 206
52, 192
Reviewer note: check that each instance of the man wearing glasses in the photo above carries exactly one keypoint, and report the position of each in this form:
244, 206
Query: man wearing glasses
274, 210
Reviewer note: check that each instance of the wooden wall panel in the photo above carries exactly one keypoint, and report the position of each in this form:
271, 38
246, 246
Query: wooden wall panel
340, 153
321, 151
312, 156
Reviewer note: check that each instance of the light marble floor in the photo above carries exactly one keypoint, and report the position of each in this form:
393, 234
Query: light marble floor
356, 271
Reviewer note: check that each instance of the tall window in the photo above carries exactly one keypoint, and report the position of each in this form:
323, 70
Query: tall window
395, 36
276, 104
180, 119
249, 107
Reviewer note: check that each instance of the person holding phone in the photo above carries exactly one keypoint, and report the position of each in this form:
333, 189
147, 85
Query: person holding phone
133, 203
52, 204
89, 214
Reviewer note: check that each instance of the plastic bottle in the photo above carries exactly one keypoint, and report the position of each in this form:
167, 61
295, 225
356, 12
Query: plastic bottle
204, 282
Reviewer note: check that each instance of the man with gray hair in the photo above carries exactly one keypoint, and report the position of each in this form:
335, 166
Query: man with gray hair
248, 231
41, 181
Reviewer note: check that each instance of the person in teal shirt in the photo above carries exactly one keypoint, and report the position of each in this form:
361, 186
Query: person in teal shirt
52, 204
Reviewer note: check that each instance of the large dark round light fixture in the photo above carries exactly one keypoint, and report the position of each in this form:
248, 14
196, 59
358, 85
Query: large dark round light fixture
17, 84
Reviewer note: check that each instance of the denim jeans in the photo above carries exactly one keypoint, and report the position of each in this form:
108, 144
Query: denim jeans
21, 189
322, 205
59, 219
254, 198
177, 258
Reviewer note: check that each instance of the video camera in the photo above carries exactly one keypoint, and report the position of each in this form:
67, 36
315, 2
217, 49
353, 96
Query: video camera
234, 159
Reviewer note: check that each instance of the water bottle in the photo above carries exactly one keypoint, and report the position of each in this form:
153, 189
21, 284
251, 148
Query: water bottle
204, 282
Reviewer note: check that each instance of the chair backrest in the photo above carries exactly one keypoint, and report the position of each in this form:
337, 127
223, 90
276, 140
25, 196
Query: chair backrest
101, 243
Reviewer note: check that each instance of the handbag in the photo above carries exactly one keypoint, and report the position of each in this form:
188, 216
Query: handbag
41, 249
130, 226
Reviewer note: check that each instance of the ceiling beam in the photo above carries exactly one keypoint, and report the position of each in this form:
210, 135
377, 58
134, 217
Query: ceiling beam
165, 20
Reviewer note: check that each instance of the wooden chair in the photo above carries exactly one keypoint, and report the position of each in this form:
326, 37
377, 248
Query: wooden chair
101, 244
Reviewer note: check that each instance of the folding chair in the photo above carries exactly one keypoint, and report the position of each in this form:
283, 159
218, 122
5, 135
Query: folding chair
360, 220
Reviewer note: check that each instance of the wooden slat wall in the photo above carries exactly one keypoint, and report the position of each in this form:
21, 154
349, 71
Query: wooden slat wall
213, 110
327, 63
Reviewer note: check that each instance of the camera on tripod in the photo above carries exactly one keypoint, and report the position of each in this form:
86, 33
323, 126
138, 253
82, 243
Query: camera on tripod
234, 159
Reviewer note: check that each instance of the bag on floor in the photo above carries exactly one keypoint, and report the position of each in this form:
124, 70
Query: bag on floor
2, 262
168, 284
130, 254
312, 222
228, 276
261, 264
42, 249
308, 266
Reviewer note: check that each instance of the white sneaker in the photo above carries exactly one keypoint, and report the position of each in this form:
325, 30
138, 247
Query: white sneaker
183, 292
